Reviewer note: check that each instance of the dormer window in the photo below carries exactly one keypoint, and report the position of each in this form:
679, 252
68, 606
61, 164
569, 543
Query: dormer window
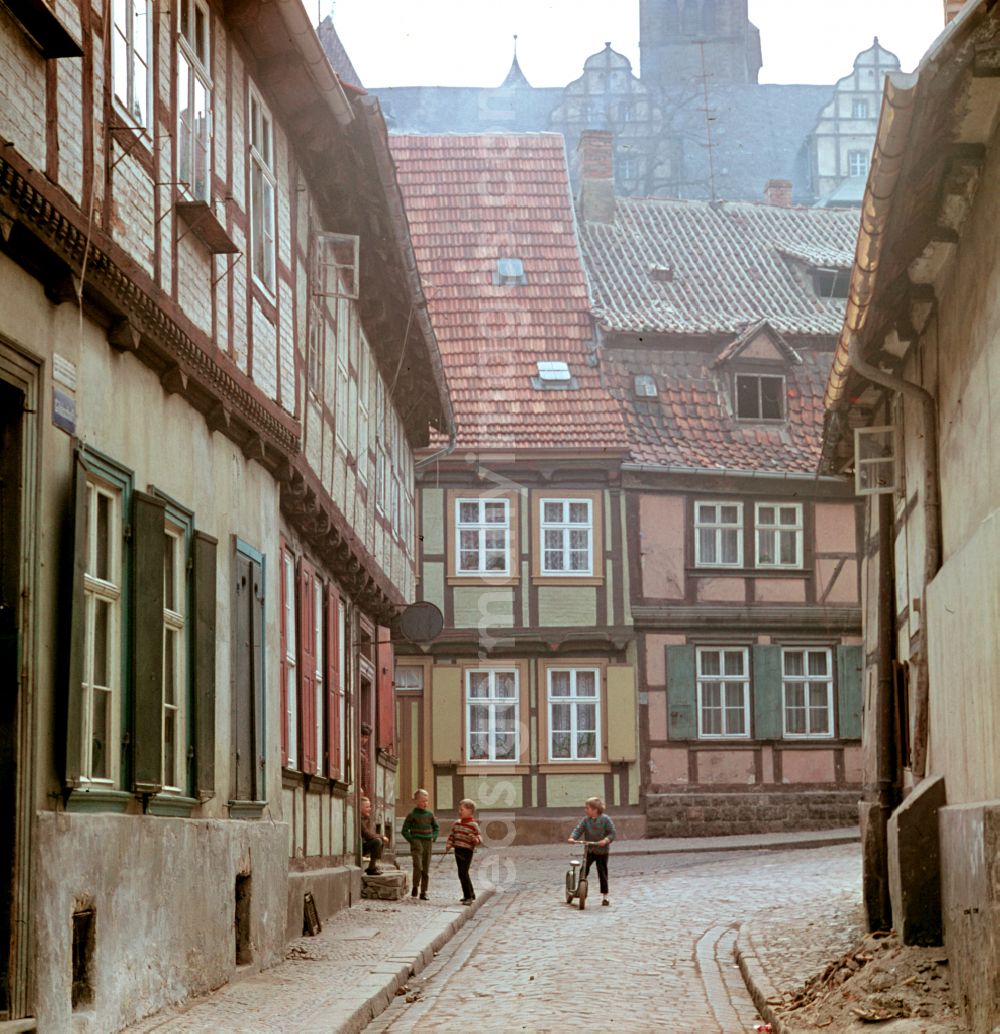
553, 375
760, 397
831, 283
509, 273
644, 385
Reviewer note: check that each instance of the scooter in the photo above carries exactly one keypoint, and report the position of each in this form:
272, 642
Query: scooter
576, 880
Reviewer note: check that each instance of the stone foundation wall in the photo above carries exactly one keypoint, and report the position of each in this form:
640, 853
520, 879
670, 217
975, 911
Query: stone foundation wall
742, 813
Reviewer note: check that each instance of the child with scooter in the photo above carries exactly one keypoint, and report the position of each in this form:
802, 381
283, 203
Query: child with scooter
597, 831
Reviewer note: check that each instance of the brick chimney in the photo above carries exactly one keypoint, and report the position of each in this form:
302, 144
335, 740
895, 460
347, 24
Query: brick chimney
779, 193
595, 166
951, 8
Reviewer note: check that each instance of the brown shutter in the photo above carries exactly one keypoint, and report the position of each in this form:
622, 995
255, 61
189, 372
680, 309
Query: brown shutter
283, 688
203, 663
386, 701
75, 621
148, 544
307, 665
334, 762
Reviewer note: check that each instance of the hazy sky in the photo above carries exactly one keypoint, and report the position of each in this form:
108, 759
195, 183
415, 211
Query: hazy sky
468, 42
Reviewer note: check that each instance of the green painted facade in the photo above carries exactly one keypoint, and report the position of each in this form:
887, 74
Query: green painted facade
560, 606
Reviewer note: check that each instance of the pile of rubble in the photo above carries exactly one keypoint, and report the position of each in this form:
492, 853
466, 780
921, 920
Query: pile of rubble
880, 981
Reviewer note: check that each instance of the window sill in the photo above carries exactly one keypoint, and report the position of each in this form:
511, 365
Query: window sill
574, 767
204, 224
246, 809
749, 572
98, 799
566, 579
171, 805
490, 768
483, 579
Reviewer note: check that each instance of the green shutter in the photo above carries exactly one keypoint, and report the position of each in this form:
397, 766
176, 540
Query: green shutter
766, 693
148, 544
682, 719
850, 674
75, 622
203, 663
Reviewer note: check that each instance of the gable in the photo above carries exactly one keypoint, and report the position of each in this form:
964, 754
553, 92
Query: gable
762, 346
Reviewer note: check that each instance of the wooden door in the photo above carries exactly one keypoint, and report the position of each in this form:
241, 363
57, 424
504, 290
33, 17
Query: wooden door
409, 734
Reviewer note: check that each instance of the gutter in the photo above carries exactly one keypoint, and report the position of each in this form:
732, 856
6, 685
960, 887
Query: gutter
306, 42
777, 475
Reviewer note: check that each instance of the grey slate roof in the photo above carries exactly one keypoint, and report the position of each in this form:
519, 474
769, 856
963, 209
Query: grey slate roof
725, 263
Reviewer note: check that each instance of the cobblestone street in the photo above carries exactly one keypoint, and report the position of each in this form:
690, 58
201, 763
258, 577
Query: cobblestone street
659, 959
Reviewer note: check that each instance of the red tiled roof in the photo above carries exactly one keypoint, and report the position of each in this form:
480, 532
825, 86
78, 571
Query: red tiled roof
726, 266
691, 423
471, 200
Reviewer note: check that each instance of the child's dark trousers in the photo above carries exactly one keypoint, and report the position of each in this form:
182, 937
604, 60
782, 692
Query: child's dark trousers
601, 861
463, 860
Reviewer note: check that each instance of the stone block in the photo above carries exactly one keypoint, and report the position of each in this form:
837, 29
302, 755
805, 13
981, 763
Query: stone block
915, 865
390, 885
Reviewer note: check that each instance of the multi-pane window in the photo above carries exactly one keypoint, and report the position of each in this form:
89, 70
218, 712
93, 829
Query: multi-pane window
174, 659
262, 192
343, 332
807, 679
483, 535
574, 714
760, 397
723, 693
194, 100
857, 163
859, 108
102, 590
363, 375
342, 655
289, 639
130, 48
718, 534
779, 535
491, 714
408, 680
567, 534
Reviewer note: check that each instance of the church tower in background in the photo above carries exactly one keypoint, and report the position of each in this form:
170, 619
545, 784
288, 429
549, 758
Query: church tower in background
682, 40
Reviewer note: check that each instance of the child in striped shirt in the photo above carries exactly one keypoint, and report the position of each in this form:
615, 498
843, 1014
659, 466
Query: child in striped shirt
464, 838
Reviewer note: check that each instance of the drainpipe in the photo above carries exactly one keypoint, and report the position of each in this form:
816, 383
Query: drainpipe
932, 537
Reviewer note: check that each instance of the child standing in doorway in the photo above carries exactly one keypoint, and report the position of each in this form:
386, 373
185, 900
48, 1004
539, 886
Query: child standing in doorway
465, 838
420, 830
596, 829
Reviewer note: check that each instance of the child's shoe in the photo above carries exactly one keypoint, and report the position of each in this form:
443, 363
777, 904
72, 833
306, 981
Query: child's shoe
605, 902
423, 897
466, 901
414, 892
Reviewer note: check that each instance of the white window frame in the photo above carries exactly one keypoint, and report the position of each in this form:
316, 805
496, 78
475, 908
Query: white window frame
102, 591
574, 700
132, 79
263, 183
174, 627
860, 108
719, 527
878, 451
855, 159
808, 681
343, 374
401, 685
704, 681
199, 73
565, 527
759, 377
481, 527
291, 716
492, 701
775, 531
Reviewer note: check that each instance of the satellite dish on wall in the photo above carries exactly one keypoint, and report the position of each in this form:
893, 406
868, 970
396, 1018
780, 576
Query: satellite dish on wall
421, 622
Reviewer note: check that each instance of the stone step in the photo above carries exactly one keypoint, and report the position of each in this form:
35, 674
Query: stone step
389, 885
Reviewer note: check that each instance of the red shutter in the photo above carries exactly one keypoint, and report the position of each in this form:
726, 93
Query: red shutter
307, 665
386, 701
334, 762
283, 690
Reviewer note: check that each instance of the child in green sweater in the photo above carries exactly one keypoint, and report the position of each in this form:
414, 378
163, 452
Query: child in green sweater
420, 830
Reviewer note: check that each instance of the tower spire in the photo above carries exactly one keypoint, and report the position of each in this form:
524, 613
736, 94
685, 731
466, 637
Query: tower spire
515, 77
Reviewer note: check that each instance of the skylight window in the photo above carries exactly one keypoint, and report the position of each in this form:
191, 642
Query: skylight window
645, 386
509, 272
553, 375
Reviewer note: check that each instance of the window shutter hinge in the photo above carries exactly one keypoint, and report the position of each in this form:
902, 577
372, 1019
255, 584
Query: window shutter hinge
189, 566
127, 533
